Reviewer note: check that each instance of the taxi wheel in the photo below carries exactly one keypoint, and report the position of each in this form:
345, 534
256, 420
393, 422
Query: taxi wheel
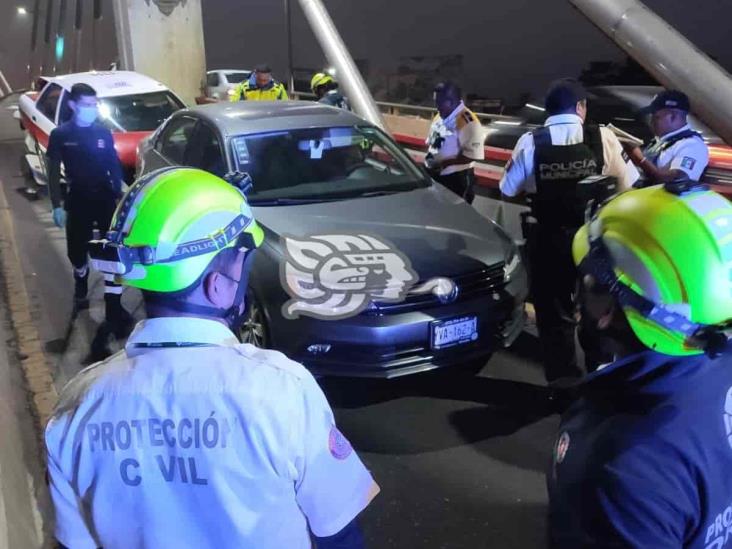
254, 328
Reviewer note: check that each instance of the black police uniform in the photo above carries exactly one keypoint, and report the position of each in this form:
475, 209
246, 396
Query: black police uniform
94, 176
558, 208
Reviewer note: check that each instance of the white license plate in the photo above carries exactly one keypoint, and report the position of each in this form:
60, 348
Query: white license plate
454, 332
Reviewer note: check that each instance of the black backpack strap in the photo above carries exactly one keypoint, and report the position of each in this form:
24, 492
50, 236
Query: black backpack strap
593, 139
542, 137
678, 137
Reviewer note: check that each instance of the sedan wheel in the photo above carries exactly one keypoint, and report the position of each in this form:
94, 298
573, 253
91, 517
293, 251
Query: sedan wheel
253, 329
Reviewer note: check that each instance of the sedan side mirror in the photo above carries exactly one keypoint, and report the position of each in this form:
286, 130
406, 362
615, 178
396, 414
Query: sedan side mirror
241, 180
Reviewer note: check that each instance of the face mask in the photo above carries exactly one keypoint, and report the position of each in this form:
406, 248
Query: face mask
86, 116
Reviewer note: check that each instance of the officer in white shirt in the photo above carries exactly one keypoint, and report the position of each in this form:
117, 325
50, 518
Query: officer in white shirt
455, 142
188, 438
677, 152
547, 165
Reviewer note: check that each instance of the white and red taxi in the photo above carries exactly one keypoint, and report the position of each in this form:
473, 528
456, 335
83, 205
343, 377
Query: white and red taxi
131, 105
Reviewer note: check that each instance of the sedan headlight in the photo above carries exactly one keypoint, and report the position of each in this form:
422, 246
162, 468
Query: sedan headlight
513, 260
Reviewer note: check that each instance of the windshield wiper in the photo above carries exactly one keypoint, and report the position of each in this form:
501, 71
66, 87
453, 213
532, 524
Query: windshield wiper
331, 198
380, 193
289, 201
371, 194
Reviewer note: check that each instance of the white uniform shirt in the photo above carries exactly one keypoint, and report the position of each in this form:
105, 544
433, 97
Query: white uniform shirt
565, 129
690, 155
216, 445
459, 133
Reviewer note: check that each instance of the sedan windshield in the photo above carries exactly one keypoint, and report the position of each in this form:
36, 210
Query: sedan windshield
320, 164
139, 112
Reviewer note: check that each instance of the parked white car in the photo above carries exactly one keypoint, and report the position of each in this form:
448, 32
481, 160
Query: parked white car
220, 82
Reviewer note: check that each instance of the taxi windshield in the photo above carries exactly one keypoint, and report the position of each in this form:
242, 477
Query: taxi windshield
139, 112
320, 164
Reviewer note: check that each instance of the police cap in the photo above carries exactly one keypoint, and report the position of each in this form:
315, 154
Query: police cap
669, 99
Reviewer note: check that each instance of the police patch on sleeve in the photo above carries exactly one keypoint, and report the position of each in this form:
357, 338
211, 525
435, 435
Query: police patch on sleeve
688, 163
338, 445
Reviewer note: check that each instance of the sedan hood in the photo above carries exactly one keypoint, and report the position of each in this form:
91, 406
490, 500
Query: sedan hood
440, 234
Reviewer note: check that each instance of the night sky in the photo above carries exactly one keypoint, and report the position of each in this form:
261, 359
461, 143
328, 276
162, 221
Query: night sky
508, 47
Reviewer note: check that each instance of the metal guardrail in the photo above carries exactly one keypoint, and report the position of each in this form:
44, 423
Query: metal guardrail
417, 110
429, 112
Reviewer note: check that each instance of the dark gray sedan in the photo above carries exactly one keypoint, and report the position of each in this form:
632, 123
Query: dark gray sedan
369, 268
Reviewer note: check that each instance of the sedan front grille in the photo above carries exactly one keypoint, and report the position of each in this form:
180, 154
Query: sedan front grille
484, 282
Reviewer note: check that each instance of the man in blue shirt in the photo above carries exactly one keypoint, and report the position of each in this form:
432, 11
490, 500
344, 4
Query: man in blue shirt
94, 176
643, 456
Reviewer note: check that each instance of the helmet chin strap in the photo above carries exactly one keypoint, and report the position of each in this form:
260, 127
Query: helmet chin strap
710, 338
235, 314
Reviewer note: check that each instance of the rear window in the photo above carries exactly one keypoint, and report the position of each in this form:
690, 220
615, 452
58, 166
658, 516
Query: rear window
138, 112
237, 77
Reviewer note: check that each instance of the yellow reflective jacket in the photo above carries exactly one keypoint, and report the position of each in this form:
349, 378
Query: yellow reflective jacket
274, 91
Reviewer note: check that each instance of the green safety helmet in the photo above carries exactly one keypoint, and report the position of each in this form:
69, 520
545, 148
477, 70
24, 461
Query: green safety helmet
320, 79
665, 254
170, 225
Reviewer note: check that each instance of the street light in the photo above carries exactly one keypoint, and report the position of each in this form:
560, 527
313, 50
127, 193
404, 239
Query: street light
22, 11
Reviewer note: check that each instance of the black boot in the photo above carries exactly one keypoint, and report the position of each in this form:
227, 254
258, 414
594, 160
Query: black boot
119, 320
100, 345
81, 290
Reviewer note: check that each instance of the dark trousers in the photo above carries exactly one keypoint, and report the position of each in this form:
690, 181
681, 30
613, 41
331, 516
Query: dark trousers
461, 183
84, 213
553, 283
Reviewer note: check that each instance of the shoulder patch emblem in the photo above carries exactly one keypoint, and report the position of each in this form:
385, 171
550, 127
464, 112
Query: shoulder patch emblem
338, 445
688, 163
562, 447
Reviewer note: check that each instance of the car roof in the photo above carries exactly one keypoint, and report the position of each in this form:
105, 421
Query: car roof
247, 117
228, 71
110, 83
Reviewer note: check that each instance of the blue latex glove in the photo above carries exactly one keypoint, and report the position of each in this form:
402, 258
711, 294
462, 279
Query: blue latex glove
59, 217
